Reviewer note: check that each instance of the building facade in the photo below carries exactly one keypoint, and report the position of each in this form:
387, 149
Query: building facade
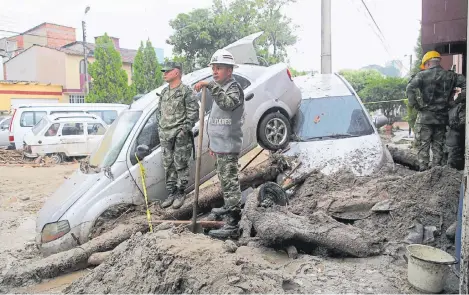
13, 93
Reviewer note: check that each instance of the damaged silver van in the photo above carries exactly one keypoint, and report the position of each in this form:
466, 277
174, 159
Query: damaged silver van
112, 177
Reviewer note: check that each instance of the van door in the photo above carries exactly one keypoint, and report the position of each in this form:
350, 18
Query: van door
27, 120
73, 139
95, 132
155, 175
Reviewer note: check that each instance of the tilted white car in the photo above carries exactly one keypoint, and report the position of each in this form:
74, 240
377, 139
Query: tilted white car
112, 176
64, 135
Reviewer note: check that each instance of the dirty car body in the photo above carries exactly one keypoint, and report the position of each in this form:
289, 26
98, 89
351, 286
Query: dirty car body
112, 176
68, 135
333, 130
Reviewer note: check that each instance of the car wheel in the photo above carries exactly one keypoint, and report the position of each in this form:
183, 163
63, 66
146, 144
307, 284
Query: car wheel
274, 131
56, 158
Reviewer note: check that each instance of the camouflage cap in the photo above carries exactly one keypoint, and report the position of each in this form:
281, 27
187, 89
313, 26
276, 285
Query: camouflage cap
168, 66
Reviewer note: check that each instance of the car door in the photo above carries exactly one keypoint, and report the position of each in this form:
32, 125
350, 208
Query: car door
153, 163
4, 131
73, 139
94, 134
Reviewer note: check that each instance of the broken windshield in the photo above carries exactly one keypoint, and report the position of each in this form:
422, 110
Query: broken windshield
331, 117
114, 139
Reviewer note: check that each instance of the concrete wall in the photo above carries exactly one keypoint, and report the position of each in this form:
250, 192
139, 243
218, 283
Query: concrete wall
30, 40
28, 91
23, 67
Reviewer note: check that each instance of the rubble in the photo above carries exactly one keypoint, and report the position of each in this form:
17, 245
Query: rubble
16, 157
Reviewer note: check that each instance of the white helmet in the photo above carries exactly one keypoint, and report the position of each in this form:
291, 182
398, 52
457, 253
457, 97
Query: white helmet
224, 57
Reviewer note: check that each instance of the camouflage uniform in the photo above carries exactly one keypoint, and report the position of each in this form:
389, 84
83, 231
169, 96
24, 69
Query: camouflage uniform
225, 141
435, 85
177, 113
455, 138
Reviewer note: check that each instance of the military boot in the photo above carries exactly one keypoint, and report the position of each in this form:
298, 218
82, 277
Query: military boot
179, 200
231, 227
169, 201
217, 214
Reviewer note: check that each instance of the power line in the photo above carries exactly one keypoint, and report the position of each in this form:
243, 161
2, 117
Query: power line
42, 36
374, 21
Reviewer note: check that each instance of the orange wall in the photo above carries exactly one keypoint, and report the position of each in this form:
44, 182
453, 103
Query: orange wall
30, 91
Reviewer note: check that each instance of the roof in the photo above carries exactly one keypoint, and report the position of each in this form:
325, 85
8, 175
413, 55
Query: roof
84, 117
323, 85
76, 48
18, 82
45, 23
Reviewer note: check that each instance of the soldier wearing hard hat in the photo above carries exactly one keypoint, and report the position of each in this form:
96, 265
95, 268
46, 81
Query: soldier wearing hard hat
435, 85
226, 138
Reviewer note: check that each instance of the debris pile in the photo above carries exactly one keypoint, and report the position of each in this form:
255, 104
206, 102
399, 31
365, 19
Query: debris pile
12, 157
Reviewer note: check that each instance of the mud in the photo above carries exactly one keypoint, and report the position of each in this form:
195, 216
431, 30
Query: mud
165, 262
429, 197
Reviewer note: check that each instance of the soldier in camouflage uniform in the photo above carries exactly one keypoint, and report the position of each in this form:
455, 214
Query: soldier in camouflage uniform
226, 138
455, 138
177, 113
435, 85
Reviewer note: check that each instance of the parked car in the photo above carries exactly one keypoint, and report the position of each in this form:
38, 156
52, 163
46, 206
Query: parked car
61, 136
4, 124
112, 176
27, 116
333, 130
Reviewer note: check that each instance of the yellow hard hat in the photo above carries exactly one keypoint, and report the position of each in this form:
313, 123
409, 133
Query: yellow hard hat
429, 55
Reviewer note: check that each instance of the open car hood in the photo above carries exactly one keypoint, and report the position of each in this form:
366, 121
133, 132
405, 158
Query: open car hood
243, 50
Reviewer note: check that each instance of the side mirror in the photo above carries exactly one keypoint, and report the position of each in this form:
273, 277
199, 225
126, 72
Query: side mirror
249, 97
142, 151
195, 133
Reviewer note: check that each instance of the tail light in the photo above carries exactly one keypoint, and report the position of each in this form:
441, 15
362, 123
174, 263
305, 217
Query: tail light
289, 74
11, 137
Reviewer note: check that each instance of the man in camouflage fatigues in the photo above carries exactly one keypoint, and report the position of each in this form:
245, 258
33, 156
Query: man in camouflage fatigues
177, 113
455, 137
435, 85
226, 138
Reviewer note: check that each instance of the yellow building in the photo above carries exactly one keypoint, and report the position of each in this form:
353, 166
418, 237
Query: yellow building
61, 66
13, 93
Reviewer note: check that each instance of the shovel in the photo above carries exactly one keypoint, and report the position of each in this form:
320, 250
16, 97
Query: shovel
198, 159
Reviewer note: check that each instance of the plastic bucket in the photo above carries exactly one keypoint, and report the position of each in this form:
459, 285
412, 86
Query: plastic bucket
427, 267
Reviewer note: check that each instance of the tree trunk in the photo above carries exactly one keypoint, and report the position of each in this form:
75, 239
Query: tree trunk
404, 157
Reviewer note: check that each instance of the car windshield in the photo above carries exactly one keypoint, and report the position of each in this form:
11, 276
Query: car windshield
331, 117
114, 139
39, 126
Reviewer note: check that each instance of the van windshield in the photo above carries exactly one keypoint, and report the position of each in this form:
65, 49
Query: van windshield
114, 139
39, 126
331, 117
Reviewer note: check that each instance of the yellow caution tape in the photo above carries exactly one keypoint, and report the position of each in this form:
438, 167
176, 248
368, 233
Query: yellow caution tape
142, 173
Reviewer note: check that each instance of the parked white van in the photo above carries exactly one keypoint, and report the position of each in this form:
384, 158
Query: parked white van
64, 135
27, 116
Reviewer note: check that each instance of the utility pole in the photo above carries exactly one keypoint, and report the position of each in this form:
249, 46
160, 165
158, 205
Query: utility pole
326, 59
85, 57
464, 261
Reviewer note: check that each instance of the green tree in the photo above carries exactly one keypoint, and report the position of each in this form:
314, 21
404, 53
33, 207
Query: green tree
296, 73
359, 79
385, 93
110, 81
199, 33
147, 71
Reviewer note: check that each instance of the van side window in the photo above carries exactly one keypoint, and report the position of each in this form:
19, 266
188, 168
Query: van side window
29, 119
52, 131
96, 129
72, 129
148, 136
107, 116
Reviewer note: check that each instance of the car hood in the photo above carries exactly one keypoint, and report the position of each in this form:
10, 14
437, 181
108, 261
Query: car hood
243, 50
362, 155
66, 195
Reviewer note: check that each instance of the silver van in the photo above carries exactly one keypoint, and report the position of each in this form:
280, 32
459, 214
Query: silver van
112, 176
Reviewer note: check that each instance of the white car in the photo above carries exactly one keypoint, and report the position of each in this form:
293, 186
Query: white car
333, 130
64, 135
4, 125
112, 176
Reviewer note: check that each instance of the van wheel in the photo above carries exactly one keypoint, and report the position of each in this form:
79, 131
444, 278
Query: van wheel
56, 158
274, 131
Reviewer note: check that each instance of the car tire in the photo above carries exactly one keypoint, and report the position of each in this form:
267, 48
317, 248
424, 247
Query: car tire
56, 158
274, 131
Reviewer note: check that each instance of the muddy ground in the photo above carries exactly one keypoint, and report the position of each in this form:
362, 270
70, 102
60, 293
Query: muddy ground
23, 191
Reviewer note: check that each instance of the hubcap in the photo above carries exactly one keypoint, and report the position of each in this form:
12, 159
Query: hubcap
276, 131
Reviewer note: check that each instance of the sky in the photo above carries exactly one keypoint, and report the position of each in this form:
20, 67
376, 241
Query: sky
355, 41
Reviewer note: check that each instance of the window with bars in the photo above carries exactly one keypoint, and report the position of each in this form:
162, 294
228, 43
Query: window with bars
74, 98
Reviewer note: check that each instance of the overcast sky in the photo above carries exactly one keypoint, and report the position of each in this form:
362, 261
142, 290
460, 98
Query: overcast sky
354, 37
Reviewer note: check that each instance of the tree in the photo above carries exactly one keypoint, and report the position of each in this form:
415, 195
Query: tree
199, 33
296, 73
418, 53
110, 81
385, 93
147, 71
359, 79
